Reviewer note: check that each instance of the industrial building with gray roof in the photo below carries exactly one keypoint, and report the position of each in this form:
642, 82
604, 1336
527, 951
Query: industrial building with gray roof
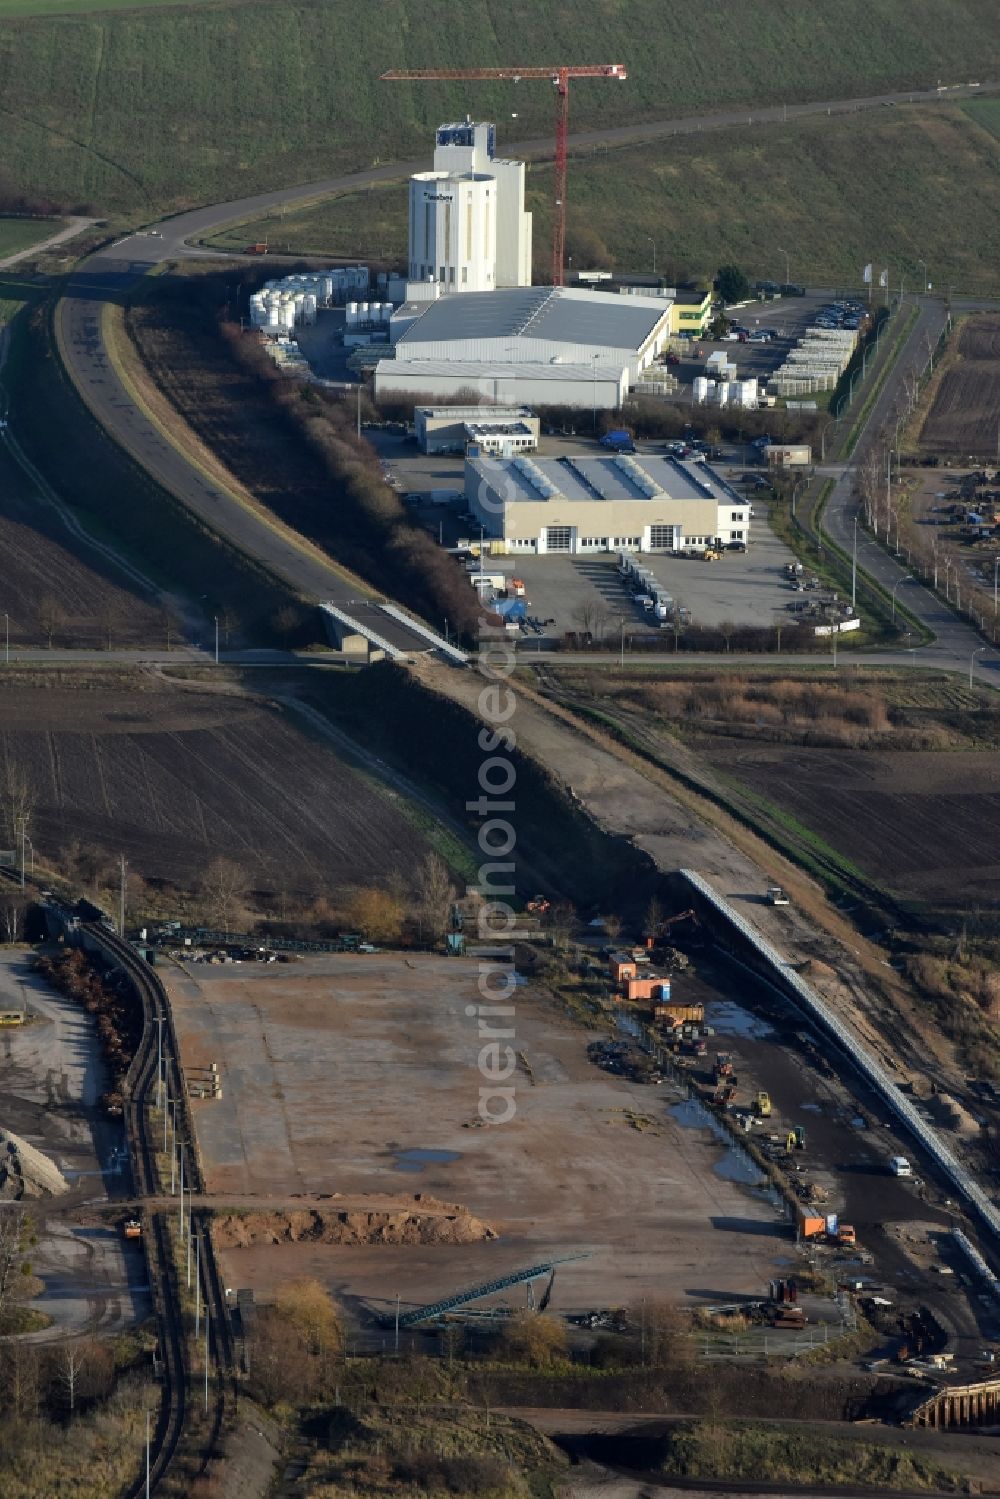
593, 345
592, 503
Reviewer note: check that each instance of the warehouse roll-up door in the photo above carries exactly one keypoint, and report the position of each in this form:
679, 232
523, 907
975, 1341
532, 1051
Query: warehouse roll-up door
558, 538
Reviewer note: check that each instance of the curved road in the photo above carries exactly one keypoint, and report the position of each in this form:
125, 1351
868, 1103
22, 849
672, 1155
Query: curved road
105, 275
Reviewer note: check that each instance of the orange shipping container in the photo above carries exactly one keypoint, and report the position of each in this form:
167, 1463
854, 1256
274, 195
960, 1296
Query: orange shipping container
809, 1226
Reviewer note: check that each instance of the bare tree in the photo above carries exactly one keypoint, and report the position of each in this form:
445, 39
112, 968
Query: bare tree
17, 1235
585, 615
51, 616
224, 886
12, 909
613, 926
652, 922
20, 1378
109, 618
72, 1360
435, 895
19, 800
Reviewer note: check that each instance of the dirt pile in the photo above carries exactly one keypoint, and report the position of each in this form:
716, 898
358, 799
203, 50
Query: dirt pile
25, 1172
951, 1114
427, 1222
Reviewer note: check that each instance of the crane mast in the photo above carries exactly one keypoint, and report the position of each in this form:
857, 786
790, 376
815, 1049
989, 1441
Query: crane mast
559, 78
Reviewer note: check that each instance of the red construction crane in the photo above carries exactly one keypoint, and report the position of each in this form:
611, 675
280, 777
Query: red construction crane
559, 77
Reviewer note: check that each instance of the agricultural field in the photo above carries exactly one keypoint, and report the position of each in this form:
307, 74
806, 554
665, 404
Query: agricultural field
835, 191
964, 420
176, 776
251, 96
20, 234
55, 592
893, 781
985, 112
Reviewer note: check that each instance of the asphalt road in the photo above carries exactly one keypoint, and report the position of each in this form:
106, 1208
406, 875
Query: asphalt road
104, 276
956, 643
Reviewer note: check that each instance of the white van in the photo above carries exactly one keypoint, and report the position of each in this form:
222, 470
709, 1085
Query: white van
900, 1166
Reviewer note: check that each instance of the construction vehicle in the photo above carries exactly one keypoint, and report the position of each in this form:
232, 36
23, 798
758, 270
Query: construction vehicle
775, 896
845, 1235
132, 1228
795, 1139
538, 905
762, 1104
711, 555
723, 1066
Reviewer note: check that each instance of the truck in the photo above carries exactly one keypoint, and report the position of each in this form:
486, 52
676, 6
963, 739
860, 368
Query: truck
762, 1104
776, 896
810, 1225
619, 441
132, 1228
258, 249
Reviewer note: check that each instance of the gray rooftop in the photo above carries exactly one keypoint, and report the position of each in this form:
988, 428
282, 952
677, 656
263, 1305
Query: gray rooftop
633, 476
555, 314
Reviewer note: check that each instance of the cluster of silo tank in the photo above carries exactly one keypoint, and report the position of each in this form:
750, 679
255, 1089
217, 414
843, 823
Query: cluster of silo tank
742, 393
281, 306
369, 314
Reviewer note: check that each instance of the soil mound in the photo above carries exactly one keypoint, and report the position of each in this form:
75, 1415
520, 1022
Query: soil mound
353, 1226
25, 1172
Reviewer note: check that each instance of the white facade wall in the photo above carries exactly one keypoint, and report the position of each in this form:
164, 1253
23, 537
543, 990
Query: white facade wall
393, 378
659, 524
453, 231
492, 248
534, 351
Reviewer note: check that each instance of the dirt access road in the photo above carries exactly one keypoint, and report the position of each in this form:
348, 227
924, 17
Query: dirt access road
51, 1078
359, 1075
630, 798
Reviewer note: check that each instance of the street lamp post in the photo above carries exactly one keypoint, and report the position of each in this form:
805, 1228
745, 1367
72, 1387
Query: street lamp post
899, 584
854, 568
788, 273
972, 661
996, 566
923, 283
652, 241
593, 361
6, 638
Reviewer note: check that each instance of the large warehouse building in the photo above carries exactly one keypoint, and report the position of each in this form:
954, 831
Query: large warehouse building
555, 346
603, 504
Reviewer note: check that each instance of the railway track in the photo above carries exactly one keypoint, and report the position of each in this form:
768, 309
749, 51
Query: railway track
140, 1093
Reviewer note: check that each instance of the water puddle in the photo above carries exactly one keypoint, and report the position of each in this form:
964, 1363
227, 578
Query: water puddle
731, 1019
734, 1165
416, 1160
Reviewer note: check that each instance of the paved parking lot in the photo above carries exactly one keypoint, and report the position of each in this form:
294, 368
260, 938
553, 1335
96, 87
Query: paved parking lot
587, 592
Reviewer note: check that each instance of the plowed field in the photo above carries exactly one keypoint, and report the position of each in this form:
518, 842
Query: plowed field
921, 825
49, 584
965, 417
177, 777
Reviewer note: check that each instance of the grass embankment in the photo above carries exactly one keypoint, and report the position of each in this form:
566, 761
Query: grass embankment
734, 1452
559, 848
20, 234
248, 96
886, 183
119, 504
